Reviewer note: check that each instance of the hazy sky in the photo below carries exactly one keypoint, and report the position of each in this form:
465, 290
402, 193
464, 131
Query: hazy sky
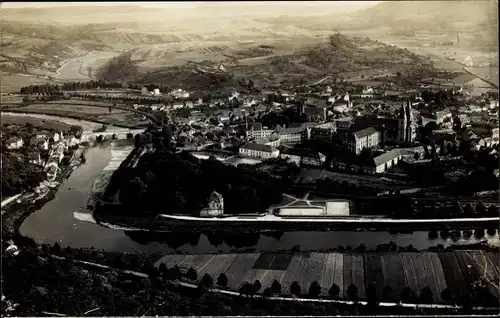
187, 4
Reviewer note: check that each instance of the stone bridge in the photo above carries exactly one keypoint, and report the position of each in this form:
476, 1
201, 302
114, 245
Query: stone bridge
121, 133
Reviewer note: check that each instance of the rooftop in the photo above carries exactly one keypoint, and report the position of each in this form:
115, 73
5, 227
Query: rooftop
386, 157
330, 125
291, 130
265, 140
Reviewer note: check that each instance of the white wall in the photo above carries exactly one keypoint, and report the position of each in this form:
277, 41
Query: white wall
306, 211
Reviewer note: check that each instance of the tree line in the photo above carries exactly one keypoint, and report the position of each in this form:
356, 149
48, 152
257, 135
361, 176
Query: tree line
75, 86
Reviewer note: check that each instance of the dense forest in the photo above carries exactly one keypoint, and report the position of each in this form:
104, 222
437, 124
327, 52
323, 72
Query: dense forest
186, 182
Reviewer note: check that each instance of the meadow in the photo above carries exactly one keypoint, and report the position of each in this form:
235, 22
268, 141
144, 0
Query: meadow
35, 122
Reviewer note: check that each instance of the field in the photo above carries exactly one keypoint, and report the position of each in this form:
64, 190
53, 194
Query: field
76, 69
437, 270
392, 269
36, 122
12, 83
85, 111
76, 109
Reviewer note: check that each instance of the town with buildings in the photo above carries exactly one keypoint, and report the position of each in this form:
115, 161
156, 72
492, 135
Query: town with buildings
386, 129
265, 159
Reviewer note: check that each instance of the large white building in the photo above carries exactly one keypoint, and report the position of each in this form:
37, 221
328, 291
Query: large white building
365, 138
291, 134
257, 131
259, 151
179, 93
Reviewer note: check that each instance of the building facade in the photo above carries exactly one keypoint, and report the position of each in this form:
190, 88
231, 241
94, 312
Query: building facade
259, 151
365, 138
324, 132
215, 206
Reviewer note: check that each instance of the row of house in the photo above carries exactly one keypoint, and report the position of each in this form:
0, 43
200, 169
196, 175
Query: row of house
300, 156
40, 139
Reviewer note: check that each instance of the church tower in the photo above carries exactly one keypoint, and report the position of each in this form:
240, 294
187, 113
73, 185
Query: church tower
402, 123
409, 134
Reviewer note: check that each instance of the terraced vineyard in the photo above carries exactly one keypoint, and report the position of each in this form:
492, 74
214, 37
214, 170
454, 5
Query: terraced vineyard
436, 270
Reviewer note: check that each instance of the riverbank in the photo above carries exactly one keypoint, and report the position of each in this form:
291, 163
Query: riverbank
113, 214
16, 213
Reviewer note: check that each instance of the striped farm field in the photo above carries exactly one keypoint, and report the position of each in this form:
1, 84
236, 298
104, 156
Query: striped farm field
338, 278
437, 270
416, 263
358, 274
306, 271
197, 261
410, 273
287, 279
435, 274
495, 260
271, 275
487, 269
452, 273
348, 281
373, 272
219, 264
468, 268
238, 270
264, 261
328, 274
315, 270
281, 261
253, 275
394, 276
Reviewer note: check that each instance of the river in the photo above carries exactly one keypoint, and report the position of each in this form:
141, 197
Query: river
55, 222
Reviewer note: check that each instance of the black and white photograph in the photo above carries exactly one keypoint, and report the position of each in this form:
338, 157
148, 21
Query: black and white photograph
249, 158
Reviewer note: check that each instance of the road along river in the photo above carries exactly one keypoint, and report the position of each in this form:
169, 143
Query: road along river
56, 222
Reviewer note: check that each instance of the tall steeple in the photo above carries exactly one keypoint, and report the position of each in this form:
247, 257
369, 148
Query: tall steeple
402, 111
409, 116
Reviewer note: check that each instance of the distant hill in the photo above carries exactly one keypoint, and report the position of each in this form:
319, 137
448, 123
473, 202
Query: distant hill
338, 54
430, 15
457, 15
